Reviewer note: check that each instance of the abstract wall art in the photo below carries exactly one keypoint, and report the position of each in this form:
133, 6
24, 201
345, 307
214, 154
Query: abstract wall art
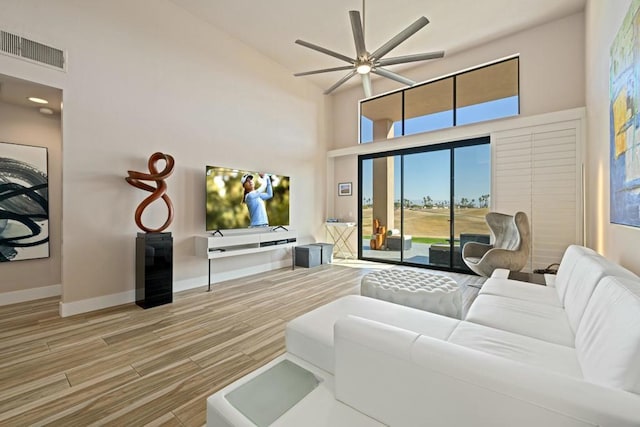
624, 123
24, 202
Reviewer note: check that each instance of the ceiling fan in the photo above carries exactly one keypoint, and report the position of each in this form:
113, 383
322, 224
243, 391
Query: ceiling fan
366, 63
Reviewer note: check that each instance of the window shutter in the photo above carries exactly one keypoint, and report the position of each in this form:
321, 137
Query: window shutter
538, 170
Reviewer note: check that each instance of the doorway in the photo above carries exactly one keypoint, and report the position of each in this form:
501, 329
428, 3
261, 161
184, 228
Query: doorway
31, 137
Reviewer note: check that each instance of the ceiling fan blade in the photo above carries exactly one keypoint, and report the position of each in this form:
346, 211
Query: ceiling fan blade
324, 70
340, 82
410, 58
325, 51
366, 85
393, 76
358, 34
400, 37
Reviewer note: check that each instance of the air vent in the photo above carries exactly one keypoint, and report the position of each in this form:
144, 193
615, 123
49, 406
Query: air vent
10, 43
22, 47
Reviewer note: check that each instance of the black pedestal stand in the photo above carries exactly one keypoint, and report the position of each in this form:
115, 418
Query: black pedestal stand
154, 269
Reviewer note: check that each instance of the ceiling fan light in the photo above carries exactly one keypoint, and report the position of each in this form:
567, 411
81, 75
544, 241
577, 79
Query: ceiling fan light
363, 68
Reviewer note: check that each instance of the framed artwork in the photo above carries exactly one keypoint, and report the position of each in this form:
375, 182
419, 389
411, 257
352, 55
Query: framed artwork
624, 106
344, 189
24, 202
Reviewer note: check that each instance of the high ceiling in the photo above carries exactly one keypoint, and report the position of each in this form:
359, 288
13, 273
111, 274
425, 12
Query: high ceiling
272, 26
16, 91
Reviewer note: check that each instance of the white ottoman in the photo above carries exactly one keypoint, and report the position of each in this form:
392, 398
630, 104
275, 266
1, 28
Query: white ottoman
426, 291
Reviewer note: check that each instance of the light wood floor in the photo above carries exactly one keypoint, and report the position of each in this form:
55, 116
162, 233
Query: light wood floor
127, 366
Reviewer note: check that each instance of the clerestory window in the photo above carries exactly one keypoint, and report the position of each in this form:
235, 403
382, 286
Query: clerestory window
484, 93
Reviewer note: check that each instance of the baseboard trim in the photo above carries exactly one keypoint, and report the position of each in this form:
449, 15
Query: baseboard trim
106, 301
32, 294
97, 303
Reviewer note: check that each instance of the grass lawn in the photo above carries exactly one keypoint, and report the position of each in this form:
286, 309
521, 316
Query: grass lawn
427, 240
415, 239
432, 225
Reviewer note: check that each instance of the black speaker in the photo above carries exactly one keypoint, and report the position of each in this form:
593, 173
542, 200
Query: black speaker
154, 269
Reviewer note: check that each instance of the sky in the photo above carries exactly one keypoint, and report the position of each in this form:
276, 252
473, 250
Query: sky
427, 174
471, 114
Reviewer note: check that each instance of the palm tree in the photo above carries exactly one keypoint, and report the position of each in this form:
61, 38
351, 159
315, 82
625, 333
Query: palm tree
484, 201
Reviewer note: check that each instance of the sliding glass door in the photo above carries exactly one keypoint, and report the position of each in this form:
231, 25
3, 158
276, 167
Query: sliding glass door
472, 188
420, 206
379, 215
425, 212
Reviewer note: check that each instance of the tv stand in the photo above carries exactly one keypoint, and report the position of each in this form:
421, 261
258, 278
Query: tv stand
280, 227
217, 232
215, 247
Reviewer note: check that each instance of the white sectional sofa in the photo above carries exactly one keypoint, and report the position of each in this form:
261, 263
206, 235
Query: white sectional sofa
525, 355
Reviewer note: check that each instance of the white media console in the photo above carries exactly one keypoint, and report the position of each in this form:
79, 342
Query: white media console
242, 243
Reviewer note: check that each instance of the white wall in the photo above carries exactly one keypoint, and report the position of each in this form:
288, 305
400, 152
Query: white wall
22, 125
551, 73
619, 243
148, 77
551, 79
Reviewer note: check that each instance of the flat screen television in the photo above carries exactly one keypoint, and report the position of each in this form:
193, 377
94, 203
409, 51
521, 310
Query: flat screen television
245, 199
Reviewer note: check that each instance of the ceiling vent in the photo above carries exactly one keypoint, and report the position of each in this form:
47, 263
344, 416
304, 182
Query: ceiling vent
24, 48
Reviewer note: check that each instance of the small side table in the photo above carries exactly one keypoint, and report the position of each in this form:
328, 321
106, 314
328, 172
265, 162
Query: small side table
340, 233
538, 279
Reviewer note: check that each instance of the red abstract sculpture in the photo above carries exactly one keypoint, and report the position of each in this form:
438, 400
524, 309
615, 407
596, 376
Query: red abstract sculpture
135, 179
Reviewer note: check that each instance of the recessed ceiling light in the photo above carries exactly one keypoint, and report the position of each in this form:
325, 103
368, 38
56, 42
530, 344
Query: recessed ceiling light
38, 100
47, 111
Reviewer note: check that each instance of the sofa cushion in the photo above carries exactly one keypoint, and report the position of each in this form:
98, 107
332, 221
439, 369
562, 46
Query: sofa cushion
571, 256
534, 320
579, 287
310, 336
608, 339
519, 348
521, 290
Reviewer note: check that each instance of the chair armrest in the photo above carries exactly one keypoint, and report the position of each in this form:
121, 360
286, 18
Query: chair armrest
475, 249
503, 256
550, 280
426, 386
